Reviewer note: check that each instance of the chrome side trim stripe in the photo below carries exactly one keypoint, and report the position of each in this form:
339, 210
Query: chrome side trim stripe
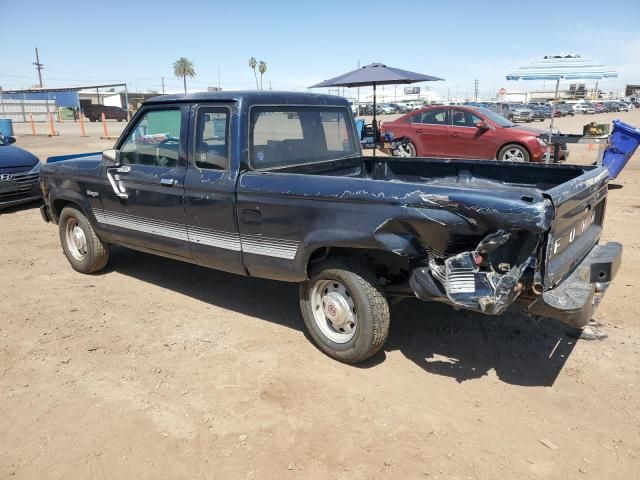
254, 244
273, 247
214, 238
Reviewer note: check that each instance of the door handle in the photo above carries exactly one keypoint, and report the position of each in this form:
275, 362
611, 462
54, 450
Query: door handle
115, 182
455, 134
419, 130
169, 182
251, 215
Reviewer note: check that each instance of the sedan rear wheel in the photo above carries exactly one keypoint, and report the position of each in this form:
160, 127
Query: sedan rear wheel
405, 149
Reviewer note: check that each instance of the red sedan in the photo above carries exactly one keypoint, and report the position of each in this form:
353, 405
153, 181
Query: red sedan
464, 132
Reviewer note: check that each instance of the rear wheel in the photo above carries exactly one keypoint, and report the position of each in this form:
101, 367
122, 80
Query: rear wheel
344, 310
405, 149
82, 247
513, 153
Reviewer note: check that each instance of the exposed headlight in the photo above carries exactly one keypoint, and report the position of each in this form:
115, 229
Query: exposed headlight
36, 168
541, 142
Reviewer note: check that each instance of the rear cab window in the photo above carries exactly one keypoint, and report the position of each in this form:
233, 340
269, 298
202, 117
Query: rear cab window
211, 142
296, 135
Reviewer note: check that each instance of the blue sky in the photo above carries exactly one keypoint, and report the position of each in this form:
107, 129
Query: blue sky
305, 42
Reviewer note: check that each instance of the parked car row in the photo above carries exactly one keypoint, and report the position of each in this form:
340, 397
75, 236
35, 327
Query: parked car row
383, 108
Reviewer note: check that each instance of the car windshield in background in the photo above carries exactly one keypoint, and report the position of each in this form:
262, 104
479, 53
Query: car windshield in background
494, 117
287, 136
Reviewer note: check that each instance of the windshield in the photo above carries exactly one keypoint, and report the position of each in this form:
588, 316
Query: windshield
494, 117
287, 136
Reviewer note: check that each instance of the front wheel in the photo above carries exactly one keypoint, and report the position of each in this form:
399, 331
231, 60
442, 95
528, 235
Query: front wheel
344, 310
82, 247
513, 153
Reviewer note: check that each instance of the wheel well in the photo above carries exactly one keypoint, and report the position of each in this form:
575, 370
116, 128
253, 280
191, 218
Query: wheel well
520, 144
58, 205
382, 262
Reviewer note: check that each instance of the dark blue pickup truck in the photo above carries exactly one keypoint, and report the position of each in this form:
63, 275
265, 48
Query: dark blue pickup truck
275, 185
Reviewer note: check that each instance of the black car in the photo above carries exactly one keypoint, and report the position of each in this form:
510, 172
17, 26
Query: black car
94, 113
19, 174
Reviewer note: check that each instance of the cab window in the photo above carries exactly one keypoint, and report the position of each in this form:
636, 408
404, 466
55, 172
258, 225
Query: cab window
211, 147
155, 140
292, 135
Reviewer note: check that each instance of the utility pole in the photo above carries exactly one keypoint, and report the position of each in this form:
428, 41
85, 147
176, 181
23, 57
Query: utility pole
358, 109
39, 67
163, 85
219, 79
475, 90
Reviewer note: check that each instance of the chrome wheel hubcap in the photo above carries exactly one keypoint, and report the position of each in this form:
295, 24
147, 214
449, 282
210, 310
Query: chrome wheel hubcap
404, 150
76, 239
513, 155
334, 310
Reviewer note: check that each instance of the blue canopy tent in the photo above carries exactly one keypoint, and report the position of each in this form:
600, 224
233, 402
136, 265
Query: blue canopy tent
562, 67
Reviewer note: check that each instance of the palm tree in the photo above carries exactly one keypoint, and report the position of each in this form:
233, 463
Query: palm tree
262, 68
252, 64
183, 68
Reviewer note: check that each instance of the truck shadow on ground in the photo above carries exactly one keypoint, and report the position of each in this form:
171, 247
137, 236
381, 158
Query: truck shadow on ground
457, 344
467, 345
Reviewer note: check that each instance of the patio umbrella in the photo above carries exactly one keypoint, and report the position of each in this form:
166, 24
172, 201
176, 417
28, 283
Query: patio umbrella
372, 75
562, 67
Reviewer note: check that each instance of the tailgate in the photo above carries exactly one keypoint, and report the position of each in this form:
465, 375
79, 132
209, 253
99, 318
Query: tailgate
579, 210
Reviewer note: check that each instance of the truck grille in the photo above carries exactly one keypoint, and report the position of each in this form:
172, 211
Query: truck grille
18, 186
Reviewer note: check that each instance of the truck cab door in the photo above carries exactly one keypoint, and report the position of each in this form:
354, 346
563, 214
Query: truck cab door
210, 185
143, 197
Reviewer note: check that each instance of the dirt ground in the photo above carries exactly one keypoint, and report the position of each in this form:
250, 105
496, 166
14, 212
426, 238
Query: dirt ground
159, 369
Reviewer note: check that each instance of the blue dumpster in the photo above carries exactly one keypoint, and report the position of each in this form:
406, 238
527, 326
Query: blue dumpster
623, 143
6, 127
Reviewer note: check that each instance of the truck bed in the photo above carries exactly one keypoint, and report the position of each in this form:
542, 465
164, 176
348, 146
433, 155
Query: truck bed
449, 172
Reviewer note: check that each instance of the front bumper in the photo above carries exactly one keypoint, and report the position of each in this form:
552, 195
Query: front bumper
575, 299
26, 189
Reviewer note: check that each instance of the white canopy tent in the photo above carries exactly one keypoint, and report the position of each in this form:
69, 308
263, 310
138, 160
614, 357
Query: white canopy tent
562, 67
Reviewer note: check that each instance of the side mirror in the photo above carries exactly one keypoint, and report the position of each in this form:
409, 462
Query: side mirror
111, 157
482, 126
10, 140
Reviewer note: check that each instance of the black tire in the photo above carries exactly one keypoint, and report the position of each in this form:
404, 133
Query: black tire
95, 254
369, 305
504, 152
